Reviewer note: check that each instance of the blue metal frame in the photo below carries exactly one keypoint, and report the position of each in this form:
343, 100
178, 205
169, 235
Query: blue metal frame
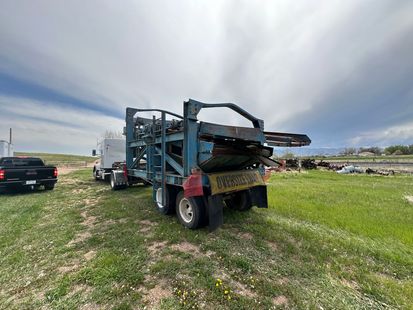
152, 145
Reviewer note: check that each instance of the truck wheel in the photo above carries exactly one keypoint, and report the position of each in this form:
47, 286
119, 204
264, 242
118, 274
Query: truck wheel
95, 174
113, 184
49, 187
190, 211
239, 201
168, 207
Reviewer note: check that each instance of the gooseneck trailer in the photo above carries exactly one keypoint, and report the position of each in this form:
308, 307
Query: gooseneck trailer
196, 168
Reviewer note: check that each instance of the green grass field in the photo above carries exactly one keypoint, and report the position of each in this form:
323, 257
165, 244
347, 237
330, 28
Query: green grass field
58, 159
327, 241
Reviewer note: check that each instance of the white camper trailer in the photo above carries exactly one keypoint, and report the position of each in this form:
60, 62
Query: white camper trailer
111, 152
6, 149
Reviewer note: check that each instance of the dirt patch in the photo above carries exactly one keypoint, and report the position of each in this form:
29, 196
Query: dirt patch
272, 245
146, 223
92, 306
236, 286
409, 199
90, 202
89, 219
40, 295
187, 248
78, 191
80, 238
156, 247
155, 295
145, 229
68, 181
242, 290
90, 255
67, 269
283, 281
351, 284
146, 226
79, 288
108, 222
65, 170
245, 236
280, 300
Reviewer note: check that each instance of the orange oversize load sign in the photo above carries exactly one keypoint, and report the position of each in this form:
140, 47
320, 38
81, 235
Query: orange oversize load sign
234, 181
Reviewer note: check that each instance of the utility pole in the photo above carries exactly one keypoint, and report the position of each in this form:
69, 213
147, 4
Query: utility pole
10, 146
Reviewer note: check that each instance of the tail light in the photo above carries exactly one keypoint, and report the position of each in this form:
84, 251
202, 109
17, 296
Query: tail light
125, 171
2, 174
55, 172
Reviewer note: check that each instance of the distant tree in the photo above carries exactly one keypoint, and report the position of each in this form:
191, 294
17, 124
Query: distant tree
399, 150
373, 149
348, 151
112, 134
288, 155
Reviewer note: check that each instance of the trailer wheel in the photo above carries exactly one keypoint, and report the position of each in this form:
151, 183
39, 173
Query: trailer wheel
190, 211
240, 201
168, 207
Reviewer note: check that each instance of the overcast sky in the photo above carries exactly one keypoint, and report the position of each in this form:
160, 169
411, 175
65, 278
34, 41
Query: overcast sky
340, 71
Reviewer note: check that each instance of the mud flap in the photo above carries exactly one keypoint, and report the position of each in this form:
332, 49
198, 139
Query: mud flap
215, 212
258, 195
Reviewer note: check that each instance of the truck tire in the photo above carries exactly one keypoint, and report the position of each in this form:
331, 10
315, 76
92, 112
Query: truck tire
113, 184
49, 187
191, 211
239, 201
95, 174
169, 206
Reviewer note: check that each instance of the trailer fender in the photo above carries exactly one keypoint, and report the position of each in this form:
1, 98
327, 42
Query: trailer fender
215, 212
258, 196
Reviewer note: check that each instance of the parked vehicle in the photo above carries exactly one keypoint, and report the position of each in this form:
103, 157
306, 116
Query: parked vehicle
196, 168
6, 149
26, 172
112, 154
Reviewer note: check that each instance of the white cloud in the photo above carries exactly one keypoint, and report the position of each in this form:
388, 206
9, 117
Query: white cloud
399, 134
39, 126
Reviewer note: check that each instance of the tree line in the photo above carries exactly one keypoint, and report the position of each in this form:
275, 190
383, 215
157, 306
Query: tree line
390, 150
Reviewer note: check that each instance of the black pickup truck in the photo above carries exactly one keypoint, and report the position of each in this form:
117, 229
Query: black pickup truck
26, 172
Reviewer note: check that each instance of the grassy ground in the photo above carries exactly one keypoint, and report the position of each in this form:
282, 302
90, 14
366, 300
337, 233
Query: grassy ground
58, 159
327, 242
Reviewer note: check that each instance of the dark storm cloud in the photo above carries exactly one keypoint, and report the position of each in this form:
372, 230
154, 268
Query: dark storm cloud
336, 77
338, 70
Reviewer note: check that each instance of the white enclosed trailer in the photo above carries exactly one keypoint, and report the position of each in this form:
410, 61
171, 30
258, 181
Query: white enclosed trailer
111, 152
6, 149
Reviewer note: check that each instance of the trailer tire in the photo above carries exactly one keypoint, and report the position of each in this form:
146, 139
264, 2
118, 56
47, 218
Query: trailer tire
169, 207
191, 211
240, 201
